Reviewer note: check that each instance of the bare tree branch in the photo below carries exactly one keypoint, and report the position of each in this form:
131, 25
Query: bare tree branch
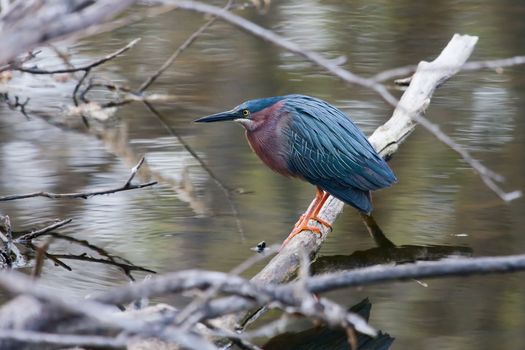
424, 269
84, 67
84, 195
63, 339
289, 297
37, 233
496, 64
178, 282
19, 284
127, 268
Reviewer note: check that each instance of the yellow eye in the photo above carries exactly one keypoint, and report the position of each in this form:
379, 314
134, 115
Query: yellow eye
245, 112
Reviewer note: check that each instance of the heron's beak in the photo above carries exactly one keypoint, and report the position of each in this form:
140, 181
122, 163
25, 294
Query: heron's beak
219, 117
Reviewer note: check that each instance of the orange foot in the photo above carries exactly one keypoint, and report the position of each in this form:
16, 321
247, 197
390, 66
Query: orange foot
302, 225
311, 214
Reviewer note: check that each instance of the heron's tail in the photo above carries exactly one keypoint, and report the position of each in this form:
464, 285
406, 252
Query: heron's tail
359, 199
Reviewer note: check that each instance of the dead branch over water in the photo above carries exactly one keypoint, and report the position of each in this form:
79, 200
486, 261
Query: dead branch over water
127, 186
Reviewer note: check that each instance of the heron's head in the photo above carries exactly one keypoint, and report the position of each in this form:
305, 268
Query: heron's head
250, 114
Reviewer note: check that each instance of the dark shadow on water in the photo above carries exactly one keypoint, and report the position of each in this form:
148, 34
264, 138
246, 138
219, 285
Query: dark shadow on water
320, 338
386, 252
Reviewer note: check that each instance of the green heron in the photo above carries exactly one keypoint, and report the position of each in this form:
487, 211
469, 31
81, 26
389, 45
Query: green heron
305, 137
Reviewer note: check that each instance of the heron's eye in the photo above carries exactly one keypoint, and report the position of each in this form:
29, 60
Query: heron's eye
245, 113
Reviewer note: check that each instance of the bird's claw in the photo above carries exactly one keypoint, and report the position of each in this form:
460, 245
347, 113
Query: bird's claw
302, 225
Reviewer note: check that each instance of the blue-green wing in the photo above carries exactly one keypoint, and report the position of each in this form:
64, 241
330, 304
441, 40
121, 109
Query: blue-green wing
329, 151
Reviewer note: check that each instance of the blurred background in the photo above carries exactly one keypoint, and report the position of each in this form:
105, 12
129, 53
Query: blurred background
187, 221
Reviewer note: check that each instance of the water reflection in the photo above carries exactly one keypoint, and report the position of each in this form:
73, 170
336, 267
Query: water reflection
386, 252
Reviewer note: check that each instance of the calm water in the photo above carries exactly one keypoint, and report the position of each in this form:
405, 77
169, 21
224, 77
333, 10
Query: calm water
186, 221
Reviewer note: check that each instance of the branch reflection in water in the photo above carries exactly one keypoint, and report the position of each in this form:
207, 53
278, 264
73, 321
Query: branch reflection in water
385, 252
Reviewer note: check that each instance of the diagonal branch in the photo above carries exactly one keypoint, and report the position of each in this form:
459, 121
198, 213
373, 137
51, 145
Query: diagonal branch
43, 231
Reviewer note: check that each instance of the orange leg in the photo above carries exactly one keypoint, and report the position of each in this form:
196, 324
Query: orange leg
311, 214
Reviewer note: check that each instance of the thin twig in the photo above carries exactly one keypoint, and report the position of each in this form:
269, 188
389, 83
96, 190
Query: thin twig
84, 67
134, 171
84, 195
29, 56
54, 259
37, 233
41, 338
487, 175
85, 243
187, 43
16, 104
79, 83
127, 268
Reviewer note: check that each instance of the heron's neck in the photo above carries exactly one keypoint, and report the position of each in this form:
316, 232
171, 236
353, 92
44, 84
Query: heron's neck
266, 139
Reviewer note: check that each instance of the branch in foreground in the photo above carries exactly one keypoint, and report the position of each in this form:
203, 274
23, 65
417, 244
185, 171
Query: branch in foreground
85, 195
41, 338
181, 281
324, 310
247, 294
17, 283
426, 269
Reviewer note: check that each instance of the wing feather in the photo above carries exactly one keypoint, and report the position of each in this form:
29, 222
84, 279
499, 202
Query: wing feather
328, 148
